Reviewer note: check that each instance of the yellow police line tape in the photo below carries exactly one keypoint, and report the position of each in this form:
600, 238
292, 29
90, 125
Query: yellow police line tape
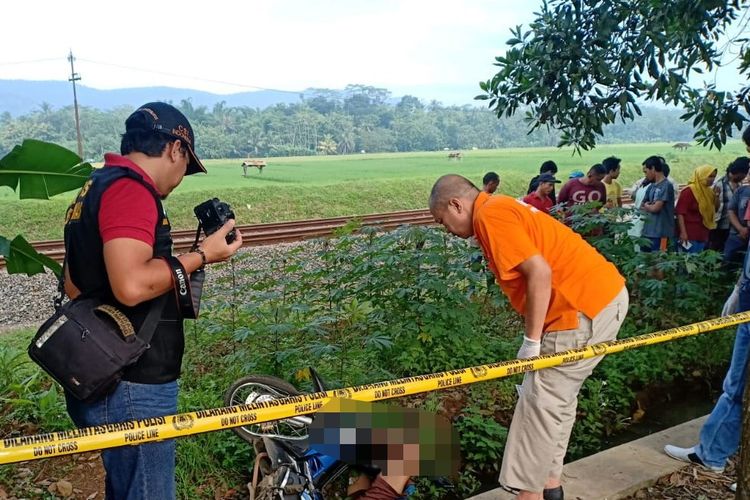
17, 449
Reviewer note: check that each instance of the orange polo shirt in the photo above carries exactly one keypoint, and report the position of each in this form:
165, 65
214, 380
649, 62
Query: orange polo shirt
511, 231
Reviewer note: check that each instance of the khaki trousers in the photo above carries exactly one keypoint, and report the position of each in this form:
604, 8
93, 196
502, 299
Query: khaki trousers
546, 409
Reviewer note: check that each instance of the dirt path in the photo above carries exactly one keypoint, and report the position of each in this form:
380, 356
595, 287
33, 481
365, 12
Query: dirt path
79, 476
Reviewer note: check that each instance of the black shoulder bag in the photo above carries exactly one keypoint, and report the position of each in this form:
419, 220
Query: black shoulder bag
86, 344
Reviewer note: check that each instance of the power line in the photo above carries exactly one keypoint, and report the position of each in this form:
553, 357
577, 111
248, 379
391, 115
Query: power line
30, 61
208, 80
143, 70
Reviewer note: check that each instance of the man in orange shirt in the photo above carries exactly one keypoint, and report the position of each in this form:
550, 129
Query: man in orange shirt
570, 297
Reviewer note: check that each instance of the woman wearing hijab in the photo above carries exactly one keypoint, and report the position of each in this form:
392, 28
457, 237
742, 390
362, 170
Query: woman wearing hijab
696, 210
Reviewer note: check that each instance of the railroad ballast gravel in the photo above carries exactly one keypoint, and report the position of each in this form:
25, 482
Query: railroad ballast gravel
26, 301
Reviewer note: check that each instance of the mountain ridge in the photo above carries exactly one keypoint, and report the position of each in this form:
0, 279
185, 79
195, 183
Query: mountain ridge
19, 97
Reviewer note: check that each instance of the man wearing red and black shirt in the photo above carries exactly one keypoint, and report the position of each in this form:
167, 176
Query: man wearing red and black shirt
117, 237
128, 209
541, 198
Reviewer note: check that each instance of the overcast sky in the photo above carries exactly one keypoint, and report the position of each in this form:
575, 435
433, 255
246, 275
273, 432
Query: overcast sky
409, 46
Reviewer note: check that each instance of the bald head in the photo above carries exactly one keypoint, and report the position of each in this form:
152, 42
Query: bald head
452, 202
451, 186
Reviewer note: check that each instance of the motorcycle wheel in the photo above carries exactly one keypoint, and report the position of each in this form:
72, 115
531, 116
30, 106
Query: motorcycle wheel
260, 388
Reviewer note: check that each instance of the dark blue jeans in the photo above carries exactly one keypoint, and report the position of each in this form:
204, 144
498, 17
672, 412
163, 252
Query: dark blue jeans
143, 472
720, 435
734, 250
657, 244
695, 247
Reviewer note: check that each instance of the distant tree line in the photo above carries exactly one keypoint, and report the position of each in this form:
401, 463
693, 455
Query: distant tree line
358, 118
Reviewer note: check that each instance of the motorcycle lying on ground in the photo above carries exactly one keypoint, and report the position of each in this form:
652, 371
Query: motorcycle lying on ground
285, 467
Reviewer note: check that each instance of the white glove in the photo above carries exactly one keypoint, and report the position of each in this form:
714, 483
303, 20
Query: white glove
529, 348
733, 302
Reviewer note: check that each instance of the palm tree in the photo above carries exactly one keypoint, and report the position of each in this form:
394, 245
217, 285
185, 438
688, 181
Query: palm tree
346, 145
186, 106
45, 110
327, 145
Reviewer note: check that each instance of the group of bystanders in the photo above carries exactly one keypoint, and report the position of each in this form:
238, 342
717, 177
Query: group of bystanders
535, 261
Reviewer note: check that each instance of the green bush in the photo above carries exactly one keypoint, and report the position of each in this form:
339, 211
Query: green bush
372, 307
376, 306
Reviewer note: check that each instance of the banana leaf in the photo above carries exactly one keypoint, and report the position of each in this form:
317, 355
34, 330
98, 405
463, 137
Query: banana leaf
40, 170
20, 257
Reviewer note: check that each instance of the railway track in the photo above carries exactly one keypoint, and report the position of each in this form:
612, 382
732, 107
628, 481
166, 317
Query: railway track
281, 232
275, 232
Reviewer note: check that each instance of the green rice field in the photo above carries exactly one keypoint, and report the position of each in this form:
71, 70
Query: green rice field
327, 186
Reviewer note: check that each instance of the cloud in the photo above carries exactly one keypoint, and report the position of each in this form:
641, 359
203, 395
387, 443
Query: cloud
289, 44
278, 44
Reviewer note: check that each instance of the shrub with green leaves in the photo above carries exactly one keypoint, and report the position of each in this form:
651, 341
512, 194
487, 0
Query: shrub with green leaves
375, 306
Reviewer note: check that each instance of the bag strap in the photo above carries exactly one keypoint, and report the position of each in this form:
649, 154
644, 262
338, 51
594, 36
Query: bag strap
148, 327
61, 285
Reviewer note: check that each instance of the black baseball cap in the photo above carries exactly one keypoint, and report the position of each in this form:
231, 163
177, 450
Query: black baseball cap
548, 178
166, 119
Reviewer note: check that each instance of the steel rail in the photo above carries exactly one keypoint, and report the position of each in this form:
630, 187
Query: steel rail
283, 232
275, 232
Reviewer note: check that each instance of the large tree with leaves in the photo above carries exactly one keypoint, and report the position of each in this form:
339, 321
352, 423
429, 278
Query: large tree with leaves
583, 64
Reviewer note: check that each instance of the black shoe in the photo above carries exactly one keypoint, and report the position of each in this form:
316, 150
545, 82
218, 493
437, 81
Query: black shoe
553, 493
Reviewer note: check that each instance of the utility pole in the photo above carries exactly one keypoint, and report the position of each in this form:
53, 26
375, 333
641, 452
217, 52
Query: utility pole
74, 77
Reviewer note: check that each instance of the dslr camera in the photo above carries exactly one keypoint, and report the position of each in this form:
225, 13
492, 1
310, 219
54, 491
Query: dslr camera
212, 214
